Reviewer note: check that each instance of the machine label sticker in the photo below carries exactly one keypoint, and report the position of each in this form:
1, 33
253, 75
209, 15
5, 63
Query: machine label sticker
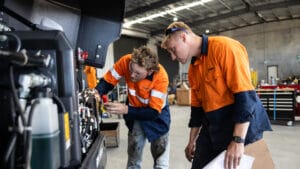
67, 130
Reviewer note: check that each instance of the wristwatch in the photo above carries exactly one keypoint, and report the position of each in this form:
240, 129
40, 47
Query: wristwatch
238, 139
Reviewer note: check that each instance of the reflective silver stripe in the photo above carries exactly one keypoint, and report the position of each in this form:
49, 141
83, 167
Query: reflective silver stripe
145, 101
115, 74
160, 95
132, 92
165, 101
157, 94
154, 93
142, 100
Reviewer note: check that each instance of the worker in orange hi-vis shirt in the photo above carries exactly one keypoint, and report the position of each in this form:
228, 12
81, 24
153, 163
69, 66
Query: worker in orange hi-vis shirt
146, 112
90, 73
226, 113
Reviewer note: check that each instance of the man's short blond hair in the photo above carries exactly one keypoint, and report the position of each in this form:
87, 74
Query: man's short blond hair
182, 27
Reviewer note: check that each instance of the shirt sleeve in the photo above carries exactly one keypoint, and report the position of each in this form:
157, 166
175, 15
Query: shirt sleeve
104, 87
197, 114
244, 106
141, 113
235, 66
118, 71
159, 92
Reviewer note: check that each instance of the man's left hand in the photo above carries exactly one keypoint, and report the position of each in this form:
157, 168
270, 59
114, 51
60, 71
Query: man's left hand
116, 108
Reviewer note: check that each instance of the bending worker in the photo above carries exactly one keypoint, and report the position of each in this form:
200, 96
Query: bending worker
223, 100
146, 111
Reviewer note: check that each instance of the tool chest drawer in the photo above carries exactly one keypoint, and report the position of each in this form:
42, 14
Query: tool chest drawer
279, 104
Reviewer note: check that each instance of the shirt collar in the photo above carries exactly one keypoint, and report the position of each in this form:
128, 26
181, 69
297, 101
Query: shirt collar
204, 48
150, 77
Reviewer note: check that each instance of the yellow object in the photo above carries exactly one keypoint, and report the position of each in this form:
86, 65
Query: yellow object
103, 110
90, 73
254, 78
171, 98
67, 128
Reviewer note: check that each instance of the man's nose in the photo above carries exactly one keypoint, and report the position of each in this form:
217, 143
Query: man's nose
132, 75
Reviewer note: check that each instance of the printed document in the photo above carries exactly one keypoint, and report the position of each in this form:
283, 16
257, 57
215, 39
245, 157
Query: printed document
218, 162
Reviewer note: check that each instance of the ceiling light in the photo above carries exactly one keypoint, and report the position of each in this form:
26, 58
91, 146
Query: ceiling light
259, 14
173, 10
175, 19
207, 31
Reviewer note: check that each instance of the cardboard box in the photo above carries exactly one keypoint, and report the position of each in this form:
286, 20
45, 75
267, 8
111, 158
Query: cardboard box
171, 98
262, 156
257, 151
183, 96
111, 133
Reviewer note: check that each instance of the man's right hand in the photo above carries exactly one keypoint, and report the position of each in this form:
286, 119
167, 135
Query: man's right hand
191, 147
190, 151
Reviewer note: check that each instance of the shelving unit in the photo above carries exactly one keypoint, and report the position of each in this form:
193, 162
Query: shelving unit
122, 93
279, 104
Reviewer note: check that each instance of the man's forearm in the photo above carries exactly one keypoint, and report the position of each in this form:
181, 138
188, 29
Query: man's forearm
194, 132
240, 129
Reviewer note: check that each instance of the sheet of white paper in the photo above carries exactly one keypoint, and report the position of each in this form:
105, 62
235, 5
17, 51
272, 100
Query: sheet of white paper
218, 162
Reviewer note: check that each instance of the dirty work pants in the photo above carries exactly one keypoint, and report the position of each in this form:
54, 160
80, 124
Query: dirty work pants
159, 149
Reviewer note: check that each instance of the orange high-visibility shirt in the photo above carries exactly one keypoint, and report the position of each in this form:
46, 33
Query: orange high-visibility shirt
218, 73
150, 92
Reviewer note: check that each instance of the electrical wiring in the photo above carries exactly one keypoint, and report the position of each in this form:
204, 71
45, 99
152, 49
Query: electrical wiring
16, 127
19, 110
17, 39
59, 102
28, 135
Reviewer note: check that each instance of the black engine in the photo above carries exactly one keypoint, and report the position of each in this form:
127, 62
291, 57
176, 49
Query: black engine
48, 118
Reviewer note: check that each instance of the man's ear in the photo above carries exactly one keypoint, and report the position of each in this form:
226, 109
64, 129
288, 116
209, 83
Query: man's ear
183, 36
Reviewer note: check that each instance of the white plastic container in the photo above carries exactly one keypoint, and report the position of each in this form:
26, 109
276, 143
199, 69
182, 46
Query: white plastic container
45, 135
45, 117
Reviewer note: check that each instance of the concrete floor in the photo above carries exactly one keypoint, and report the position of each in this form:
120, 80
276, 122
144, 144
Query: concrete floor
283, 142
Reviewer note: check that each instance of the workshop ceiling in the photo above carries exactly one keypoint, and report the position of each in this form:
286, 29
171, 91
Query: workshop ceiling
214, 16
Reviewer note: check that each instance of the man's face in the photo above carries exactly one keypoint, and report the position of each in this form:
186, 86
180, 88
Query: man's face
178, 48
137, 72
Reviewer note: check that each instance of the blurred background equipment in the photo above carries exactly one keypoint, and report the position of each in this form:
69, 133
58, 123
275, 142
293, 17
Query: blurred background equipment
49, 117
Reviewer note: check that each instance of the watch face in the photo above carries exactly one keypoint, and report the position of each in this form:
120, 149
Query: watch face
238, 139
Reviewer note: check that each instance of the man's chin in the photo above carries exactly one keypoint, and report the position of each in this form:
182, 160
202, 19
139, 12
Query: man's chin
133, 80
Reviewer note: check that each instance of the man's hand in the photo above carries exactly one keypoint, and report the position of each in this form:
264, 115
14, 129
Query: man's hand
190, 151
116, 108
233, 155
191, 147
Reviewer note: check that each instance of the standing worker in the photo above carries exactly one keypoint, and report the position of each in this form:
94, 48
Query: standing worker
224, 104
146, 111
91, 76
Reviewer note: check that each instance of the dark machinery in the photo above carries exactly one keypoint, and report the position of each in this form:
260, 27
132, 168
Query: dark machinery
49, 120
